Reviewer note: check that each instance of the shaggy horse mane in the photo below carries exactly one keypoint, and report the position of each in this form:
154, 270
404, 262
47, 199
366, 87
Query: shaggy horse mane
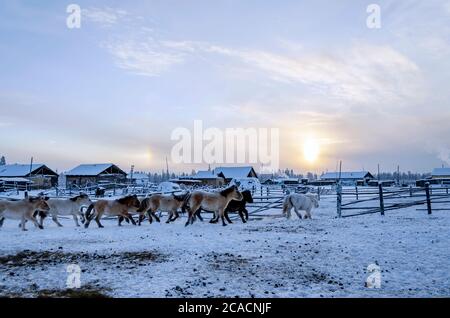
127, 199
181, 197
228, 190
81, 196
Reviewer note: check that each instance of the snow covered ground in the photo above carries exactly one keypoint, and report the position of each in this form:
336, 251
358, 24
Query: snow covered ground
268, 257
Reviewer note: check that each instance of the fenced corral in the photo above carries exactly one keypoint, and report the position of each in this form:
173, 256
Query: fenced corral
362, 201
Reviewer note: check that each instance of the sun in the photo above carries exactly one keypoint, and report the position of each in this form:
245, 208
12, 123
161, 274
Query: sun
311, 150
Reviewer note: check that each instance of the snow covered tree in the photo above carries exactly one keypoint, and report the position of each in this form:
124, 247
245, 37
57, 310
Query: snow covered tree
2, 161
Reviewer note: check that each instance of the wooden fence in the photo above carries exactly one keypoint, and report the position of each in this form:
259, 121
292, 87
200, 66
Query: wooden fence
380, 200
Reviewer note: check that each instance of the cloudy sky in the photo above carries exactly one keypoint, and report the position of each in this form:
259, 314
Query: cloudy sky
114, 89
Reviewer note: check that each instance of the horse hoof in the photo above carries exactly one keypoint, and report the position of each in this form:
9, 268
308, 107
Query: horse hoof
224, 224
41, 227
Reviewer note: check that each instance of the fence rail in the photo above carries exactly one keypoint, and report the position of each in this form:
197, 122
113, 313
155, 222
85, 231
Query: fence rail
391, 199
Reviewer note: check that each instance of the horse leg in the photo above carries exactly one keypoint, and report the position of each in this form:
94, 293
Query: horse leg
222, 216
215, 218
129, 217
170, 216
42, 217
156, 217
298, 213
55, 219
246, 214
89, 218
97, 220
82, 218
308, 214
75, 218
120, 220
35, 222
141, 218
150, 217
2, 219
199, 214
227, 217
22, 223
242, 215
191, 215
177, 215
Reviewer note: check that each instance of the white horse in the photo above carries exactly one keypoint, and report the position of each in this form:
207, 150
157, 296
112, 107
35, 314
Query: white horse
300, 202
71, 206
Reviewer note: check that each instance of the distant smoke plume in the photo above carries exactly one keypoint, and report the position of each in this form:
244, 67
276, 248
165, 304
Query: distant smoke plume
444, 155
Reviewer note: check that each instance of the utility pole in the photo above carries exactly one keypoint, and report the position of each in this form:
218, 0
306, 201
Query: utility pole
167, 169
340, 170
29, 175
378, 172
131, 173
31, 165
398, 175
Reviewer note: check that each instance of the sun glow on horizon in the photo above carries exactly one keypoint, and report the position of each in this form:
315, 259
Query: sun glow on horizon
311, 150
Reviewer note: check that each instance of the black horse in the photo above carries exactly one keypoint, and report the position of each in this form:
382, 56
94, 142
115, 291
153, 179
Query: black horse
233, 206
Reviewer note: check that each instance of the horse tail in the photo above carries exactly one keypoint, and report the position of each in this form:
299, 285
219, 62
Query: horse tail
87, 214
143, 206
185, 203
287, 204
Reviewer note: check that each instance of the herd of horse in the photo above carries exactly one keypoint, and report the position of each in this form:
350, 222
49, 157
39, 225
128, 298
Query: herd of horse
80, 207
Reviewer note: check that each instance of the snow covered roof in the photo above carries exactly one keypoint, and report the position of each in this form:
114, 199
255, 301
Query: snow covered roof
355, 175
204, 175
138, 176
21, 170
236, 172
92, 169
441, 172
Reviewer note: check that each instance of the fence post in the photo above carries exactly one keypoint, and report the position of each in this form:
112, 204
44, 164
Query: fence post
380, 189
427, 193
410, 191
339, 199
356, 191
318, 193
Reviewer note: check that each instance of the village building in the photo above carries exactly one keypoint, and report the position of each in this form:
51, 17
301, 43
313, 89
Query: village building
230, 173
95, 174
354, 177
441, 173
38, 175
139, 178
204, 177
220, 176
